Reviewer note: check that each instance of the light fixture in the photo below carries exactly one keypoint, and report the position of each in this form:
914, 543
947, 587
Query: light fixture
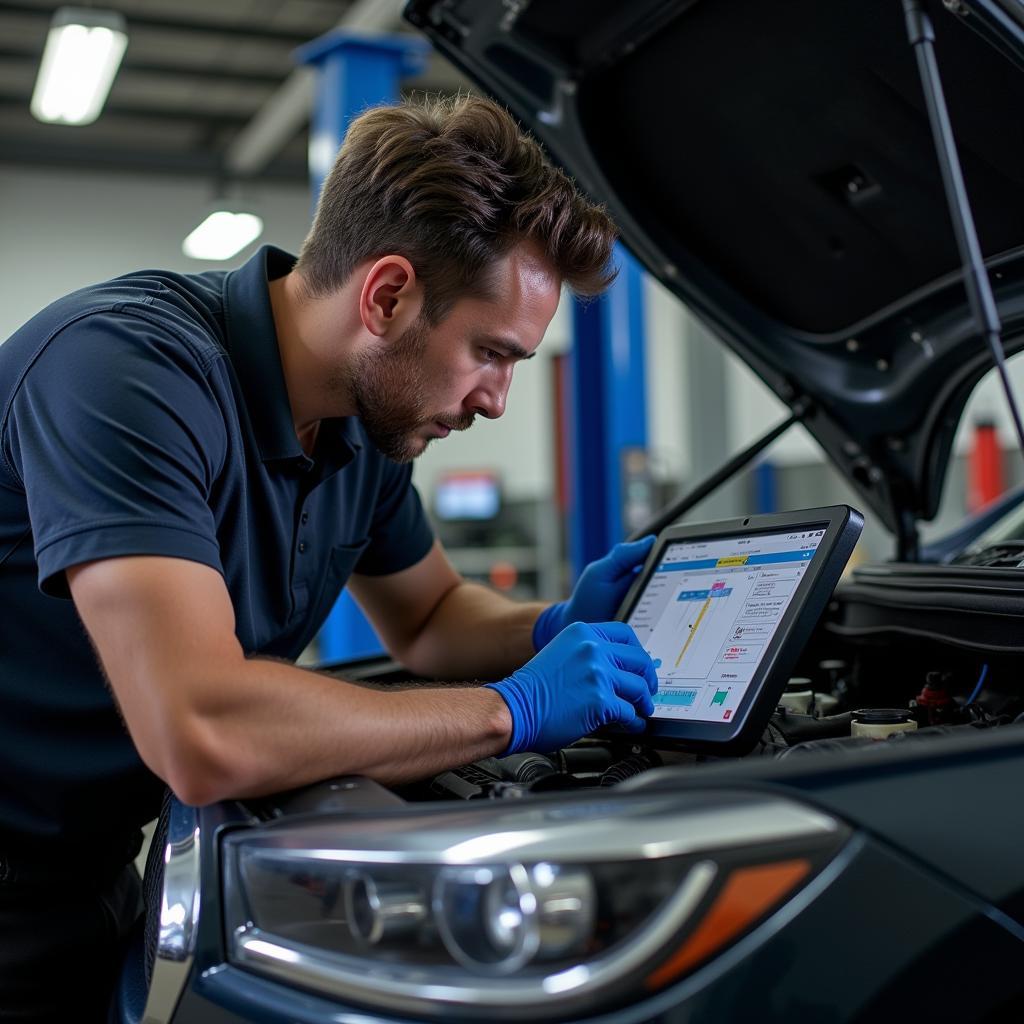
83, 52
222, 235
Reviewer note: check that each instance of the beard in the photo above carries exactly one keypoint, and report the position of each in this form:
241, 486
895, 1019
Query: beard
389, 389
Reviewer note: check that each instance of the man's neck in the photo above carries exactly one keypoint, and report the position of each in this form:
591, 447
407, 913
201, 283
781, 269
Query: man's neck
312, 342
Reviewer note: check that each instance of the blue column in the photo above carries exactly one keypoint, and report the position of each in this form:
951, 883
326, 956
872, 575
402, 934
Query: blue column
607, 411
353, 72
765, 487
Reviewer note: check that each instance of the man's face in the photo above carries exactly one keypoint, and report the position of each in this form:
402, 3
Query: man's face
432, 380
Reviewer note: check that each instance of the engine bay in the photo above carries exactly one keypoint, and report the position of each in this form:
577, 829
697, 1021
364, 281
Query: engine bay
881, 668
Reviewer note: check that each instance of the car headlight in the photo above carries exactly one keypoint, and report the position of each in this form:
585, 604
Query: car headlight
541, 909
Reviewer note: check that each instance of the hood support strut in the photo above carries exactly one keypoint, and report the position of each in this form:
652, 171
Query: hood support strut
683, 504
979, 289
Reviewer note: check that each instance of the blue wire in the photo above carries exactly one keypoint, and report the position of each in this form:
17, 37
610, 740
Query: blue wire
981, 680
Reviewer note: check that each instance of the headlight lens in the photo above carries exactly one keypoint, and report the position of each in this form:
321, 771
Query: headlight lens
487, 917
382, 911
541, 910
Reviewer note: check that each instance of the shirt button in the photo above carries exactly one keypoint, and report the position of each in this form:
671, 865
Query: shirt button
302, 547
304, 518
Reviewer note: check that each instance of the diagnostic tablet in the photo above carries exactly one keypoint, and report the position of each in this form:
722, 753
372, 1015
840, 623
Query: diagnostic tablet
725, 610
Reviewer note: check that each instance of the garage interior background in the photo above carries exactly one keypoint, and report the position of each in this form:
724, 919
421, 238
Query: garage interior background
208, 105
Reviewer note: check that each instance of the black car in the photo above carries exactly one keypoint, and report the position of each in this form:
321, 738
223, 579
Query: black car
781, 168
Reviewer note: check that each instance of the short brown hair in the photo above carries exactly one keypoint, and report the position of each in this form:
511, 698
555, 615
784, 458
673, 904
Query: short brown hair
451, 185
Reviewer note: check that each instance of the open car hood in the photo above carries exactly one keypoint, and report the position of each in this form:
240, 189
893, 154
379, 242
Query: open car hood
773, 165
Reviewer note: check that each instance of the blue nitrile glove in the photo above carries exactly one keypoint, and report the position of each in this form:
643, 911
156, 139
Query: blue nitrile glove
588, 676
598, 592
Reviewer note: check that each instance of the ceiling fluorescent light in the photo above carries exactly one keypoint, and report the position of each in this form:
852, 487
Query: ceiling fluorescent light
221, 235
83, 52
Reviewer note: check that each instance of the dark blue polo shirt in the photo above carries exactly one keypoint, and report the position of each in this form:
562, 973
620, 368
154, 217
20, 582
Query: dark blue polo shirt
148, 416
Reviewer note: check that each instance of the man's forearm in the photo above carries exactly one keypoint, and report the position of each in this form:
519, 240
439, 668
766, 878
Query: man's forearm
214, 724
474, 633
272, 727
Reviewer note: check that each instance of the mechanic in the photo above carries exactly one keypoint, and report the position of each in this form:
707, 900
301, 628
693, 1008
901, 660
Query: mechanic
202, 461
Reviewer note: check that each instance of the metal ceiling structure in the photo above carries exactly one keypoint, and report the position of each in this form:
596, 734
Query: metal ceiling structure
204, 89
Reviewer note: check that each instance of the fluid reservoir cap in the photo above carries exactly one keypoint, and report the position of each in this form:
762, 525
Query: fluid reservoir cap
798, 684
935, 693
882, 716
877, 723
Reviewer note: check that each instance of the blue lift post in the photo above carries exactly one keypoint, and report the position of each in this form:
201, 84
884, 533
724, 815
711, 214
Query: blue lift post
766, 487
353, 72
607, 410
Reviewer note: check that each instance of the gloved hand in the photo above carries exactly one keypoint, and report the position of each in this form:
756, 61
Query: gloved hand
598, 592
588, 676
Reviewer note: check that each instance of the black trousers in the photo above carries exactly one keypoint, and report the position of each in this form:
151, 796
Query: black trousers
61, 944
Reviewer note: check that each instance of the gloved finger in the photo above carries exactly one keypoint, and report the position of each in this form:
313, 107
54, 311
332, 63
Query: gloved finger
625, 557
636, 660
616, 633
626, 716
634, 689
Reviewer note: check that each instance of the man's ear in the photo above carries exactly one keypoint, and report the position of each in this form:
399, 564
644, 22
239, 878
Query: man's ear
391, 298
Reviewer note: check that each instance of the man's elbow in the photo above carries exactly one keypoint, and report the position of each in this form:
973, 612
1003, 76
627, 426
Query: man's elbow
196, 788
199, 767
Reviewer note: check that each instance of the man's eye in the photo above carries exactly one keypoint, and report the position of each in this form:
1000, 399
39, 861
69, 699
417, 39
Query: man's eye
490, 354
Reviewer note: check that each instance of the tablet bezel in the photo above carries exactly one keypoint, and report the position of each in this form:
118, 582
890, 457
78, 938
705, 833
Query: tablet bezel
842, 525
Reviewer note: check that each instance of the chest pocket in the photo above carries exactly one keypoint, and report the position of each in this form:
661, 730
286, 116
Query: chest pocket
342, 561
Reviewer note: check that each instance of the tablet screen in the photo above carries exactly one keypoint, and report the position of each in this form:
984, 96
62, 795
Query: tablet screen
709, 612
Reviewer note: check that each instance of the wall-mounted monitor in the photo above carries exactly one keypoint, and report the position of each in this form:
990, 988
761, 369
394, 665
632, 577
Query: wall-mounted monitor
467, 495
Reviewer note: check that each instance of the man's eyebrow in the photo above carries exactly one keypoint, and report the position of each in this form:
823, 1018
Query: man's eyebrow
507, 345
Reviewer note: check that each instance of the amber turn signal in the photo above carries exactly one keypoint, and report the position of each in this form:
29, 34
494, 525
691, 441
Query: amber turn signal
747, 895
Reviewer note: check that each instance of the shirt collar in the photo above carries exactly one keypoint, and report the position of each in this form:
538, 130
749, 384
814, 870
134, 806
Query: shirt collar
252, 346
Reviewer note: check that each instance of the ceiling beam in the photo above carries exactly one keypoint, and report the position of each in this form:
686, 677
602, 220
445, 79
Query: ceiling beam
22, 60
287, 38
117, 109
198, 163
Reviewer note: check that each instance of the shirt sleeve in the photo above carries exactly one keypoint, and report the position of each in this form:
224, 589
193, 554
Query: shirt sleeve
117, 437
400, 535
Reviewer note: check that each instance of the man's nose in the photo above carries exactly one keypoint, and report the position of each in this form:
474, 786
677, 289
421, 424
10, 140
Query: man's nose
488, 399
